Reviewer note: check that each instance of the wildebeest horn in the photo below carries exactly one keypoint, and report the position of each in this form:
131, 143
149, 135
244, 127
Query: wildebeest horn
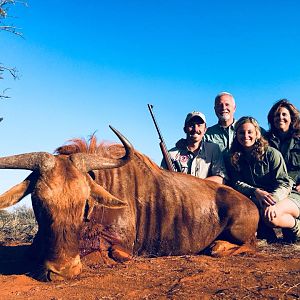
28, 161
87, 162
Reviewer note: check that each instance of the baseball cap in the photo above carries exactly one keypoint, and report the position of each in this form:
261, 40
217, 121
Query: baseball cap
194, 114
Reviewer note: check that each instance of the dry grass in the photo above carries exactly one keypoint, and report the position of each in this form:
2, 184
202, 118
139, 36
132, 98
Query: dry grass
17, 226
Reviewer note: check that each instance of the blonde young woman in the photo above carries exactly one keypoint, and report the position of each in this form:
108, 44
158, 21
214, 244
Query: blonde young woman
259, 172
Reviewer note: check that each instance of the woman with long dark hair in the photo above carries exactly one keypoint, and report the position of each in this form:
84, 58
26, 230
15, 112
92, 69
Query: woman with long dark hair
284, 135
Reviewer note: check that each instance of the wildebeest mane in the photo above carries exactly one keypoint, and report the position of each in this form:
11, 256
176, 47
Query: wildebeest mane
81, 146
105, 149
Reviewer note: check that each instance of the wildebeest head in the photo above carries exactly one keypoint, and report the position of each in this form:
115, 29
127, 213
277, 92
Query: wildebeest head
60, 187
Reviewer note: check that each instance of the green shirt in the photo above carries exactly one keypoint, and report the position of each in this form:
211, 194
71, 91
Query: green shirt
269, 174
223, 136
290, 150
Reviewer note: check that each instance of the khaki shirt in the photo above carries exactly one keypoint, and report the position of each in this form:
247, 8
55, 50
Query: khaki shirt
207, 162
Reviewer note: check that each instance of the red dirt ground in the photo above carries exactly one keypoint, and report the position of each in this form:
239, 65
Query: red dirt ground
271, 273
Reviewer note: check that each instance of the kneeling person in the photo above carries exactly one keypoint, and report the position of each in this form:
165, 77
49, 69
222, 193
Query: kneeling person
195, 156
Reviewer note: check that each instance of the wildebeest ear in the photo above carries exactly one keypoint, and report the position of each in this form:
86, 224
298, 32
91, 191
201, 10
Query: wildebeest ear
18, 192
103, 197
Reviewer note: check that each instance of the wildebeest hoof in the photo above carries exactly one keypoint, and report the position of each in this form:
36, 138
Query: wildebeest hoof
119, 254
224, 248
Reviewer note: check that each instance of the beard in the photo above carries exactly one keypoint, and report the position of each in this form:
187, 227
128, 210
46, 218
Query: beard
224, 117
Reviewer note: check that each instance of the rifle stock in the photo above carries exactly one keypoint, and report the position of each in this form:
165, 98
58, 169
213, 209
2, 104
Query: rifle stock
166, 155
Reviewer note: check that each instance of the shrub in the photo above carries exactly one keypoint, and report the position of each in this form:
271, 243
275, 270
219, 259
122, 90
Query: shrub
17, 226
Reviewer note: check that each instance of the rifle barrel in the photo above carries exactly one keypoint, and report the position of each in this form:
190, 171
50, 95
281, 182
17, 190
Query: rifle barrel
150, 106
162, 144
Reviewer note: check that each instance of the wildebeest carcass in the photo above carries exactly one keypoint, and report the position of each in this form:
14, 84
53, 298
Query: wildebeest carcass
143, 209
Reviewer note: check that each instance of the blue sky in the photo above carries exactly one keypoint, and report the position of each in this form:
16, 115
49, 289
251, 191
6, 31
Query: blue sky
89, 64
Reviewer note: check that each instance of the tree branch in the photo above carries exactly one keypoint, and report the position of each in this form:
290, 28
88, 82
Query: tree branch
13, 71
5, 5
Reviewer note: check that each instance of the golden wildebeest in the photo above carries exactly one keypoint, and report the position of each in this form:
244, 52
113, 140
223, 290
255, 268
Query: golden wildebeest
143, 209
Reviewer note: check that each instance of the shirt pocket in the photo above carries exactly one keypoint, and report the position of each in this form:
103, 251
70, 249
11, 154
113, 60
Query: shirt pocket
261, 169
295, 158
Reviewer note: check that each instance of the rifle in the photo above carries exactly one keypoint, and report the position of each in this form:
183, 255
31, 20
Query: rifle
171, 165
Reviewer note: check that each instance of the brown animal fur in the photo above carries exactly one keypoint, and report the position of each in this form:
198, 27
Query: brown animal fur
166, 213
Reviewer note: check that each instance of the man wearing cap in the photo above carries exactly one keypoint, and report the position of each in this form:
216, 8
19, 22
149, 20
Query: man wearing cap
195, 156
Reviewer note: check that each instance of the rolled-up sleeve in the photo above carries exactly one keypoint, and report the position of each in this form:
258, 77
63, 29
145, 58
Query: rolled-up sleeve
244, 188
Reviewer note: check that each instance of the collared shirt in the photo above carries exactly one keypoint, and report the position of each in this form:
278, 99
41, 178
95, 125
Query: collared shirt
269, 174
290, 150
223, 136
207, 162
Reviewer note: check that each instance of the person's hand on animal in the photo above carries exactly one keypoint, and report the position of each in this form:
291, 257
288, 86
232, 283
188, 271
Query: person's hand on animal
298, 188
264, 198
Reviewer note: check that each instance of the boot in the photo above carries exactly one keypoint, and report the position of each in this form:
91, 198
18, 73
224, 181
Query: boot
292, 235
265, 232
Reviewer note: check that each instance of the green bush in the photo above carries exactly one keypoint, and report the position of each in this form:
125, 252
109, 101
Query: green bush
17, 226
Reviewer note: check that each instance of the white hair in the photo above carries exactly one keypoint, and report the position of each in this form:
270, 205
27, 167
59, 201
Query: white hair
224, 93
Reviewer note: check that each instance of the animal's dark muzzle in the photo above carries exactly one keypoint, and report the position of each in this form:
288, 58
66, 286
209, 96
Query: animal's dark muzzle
61, 271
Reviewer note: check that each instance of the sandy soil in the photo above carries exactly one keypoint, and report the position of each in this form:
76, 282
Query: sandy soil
271, 273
